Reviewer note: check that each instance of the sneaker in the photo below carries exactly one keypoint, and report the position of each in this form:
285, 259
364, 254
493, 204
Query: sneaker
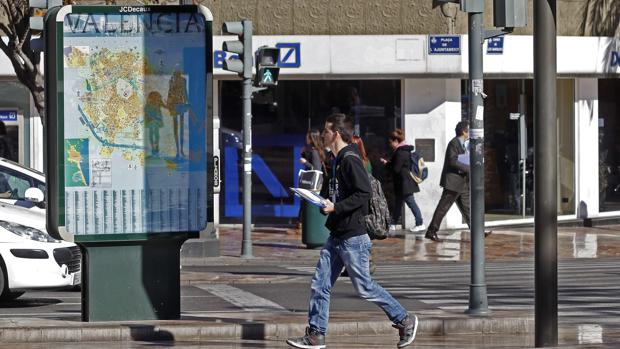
407, 329
392, 227
418, 228
312, 340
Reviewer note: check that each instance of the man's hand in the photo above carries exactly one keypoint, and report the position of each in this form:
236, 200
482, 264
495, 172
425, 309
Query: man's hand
383, 161
329, 207
303, 161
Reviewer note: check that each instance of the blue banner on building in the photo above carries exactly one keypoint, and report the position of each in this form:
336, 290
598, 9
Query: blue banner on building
444, 45
8, 115
495, 46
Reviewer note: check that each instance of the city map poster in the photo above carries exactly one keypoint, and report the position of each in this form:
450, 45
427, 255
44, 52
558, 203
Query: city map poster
134, 123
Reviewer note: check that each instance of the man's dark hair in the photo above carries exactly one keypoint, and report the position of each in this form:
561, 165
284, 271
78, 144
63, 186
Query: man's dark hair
342, 124
461, 127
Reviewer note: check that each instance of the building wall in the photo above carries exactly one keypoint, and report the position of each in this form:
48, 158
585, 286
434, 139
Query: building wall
354, 17
376, 17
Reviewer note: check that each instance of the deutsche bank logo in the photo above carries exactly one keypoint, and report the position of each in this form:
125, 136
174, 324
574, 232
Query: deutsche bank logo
615, 59
290, 54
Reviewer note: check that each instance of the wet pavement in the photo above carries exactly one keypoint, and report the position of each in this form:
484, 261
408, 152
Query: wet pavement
504, 244
568, 338
282, 264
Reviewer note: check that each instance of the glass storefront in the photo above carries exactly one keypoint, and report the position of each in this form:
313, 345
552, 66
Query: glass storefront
14, 104
509, 142
280, 121
609, 144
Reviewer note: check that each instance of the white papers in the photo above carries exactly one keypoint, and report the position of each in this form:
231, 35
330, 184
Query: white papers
309, 196
464, 159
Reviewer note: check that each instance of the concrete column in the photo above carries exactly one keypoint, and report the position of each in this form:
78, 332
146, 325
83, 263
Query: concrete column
586, 147
431, 109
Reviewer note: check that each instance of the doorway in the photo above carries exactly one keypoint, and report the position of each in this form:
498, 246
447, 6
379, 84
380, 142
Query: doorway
509, 148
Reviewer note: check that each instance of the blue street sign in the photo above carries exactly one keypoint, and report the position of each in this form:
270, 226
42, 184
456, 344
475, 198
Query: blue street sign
8, 115
495, 46
444, 45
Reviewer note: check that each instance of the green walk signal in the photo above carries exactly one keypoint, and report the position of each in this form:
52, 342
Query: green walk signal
267, 70
267, 77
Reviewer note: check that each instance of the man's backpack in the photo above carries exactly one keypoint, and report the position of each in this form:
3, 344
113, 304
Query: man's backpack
378, 218
417, 168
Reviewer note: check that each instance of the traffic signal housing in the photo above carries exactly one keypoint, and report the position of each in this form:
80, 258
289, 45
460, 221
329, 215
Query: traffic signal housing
242, 63
267, 70
38, 10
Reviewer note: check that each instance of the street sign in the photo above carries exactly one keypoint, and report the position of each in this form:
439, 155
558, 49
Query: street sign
444, 45
8, 115
495, 46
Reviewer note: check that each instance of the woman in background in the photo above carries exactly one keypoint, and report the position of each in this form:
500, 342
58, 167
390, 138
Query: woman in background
404, 185
313, 155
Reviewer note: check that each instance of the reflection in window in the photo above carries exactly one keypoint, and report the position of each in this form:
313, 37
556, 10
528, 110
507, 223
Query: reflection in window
280, 120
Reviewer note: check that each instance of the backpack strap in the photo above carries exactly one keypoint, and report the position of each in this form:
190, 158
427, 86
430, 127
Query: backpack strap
351, 153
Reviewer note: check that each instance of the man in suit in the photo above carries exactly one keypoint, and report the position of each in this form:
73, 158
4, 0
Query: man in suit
454, 180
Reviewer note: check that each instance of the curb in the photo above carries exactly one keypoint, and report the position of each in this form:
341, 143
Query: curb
197, 331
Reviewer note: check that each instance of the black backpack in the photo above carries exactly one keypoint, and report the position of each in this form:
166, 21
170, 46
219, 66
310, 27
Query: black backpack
378, 218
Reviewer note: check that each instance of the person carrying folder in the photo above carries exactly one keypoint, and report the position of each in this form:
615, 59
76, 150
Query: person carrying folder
348, 245
454, 180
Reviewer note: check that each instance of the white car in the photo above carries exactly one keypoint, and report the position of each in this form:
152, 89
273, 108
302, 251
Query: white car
15, 180
30, 257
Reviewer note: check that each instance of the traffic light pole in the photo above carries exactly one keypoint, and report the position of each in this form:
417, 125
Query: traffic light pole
545, 175
246, 246
478, 304
246, 96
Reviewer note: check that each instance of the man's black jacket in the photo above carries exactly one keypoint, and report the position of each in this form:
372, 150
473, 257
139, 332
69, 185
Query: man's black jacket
455, 175
353, 195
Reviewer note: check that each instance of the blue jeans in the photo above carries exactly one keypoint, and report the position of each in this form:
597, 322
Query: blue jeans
410, 201
353, 254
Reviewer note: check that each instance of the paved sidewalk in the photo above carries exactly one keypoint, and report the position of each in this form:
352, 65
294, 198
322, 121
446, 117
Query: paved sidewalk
282, 247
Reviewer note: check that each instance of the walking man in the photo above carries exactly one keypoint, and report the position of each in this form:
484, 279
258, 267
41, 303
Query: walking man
455, 182
348, 244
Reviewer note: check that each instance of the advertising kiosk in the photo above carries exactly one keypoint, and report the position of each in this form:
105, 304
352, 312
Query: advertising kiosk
129, 149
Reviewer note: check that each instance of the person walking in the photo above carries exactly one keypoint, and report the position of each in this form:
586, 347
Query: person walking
404, 185
348, 244
368, 166
455, 182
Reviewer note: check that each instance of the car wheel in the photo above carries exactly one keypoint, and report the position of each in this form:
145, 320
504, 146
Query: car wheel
9, 296
5, 293
4, 287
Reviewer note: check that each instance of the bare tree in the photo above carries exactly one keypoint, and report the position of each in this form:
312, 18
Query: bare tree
16, 27
601, 18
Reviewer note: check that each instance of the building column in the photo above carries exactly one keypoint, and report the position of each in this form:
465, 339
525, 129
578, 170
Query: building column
431, 110
586, 147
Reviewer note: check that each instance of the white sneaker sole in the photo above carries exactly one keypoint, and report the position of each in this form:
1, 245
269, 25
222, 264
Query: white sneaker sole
415, 330
289, 342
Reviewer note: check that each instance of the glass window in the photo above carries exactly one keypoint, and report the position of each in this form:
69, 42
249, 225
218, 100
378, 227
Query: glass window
509, 147
280, 120
609, 144
13, 185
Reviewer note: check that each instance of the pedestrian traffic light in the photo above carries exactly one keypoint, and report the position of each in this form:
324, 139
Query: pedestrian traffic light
242, 64
39, 8
267, 70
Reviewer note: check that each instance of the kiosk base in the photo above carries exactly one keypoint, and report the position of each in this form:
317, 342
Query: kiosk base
132, 280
